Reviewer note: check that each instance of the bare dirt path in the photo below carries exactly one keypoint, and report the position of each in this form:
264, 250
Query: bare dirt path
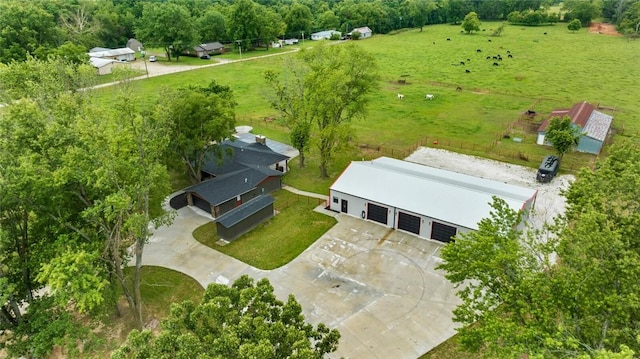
603, 28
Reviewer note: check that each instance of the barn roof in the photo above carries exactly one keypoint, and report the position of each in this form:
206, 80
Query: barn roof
448, 196
595, 124
243, 211
112, 52
209, 46
361, 30
100, 62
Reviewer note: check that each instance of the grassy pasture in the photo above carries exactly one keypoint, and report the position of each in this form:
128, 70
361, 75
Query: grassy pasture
546, 72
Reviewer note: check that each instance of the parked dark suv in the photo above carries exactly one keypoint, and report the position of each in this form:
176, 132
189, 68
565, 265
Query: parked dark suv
548, 169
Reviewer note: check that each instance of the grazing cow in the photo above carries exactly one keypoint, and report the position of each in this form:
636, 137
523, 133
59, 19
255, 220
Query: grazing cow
545, 33
434, 42
489, 40
495, 57
458, 88
429, 96
467, 71
461, 62
448, 39
468, 59
496, 64
488, 57
499, 58
400, 96
510, 56
508, 52
478, 50
531, 113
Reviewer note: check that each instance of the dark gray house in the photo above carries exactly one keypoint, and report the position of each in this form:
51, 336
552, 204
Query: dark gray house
242, 219
244, 172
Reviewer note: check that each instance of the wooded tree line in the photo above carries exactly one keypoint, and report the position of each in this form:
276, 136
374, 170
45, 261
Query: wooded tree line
69, 28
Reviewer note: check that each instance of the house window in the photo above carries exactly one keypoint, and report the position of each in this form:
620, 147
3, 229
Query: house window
335, 199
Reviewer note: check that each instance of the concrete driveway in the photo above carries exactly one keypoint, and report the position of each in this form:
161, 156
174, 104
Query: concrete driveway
377, 286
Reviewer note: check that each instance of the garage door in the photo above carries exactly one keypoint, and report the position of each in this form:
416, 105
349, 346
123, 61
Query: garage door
377, 213
409, 223
442, 232
202, 204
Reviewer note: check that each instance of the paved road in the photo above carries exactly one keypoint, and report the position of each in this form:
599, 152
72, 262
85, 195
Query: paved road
377, 286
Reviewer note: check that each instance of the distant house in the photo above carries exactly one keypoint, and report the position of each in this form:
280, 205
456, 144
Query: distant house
595, 126
104, 66
122, 54
324, 35
210, 48
365, 32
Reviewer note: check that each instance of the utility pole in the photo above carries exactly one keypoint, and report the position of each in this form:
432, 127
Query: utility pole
240, 47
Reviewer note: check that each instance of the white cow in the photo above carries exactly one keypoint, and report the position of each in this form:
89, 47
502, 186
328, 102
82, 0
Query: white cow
429, 96
400, 96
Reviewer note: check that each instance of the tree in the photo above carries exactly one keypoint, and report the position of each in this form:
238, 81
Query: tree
630, 19
419, 11
245, 320
244, 23
211, 26
583, 10
574, 25
271, 25
328, 20
169, 26
324, 93
298, 19
562, 134
471, 22
199, 116
496, 267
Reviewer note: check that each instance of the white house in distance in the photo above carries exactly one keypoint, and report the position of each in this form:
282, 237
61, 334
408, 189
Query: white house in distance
595, 126
365, 32
122, 54
104, 66
324, 35
430, 202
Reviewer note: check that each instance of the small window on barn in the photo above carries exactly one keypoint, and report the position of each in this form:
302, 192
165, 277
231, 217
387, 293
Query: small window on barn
335, 199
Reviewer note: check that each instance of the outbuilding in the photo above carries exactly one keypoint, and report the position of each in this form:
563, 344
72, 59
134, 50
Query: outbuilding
122, 54
242, 219
365, 32
429, 202
324, 35
595, 126
104, 66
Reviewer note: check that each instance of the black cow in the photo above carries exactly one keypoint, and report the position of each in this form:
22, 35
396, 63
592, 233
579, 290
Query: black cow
461, 62
467, 71
531, 113
489, 40
488, 57
495, 57
478, 50
508, 52
434, 42
468, 59
496, 64
448, 39
545, 33
510, 56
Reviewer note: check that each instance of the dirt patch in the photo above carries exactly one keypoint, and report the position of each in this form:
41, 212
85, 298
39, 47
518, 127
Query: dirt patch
603, 28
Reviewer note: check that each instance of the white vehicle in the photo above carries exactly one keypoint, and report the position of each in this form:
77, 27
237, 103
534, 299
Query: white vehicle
153, 58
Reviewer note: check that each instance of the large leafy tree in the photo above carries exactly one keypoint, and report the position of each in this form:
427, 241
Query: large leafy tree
169, 26
326, 90
211, 26
200, 117
244, 23
245, 320
583, 10
419, 11
471, 22
298, 19
562, 134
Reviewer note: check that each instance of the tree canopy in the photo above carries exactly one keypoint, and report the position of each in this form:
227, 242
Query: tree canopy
471, 22
245, 320
562, 134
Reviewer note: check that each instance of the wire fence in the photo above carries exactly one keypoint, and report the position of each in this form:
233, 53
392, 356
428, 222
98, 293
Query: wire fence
297, 198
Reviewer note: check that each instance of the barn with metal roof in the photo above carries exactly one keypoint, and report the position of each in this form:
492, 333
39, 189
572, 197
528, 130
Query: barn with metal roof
430, 202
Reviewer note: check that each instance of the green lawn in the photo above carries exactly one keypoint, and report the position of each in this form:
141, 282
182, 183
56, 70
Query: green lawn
278, 241
546, 72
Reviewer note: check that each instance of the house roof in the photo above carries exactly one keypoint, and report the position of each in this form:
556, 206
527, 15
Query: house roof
224, 187
100, 62
448, 196
112, 52
595, 124
361, 30
209, 46
327, 33
243, 211
243, 155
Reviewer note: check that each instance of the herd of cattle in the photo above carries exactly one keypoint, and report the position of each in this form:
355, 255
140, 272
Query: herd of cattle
495, 58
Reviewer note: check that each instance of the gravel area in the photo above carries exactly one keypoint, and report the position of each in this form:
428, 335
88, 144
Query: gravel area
549, 202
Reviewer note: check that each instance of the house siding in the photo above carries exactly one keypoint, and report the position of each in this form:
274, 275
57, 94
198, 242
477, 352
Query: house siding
246, 225
589, 145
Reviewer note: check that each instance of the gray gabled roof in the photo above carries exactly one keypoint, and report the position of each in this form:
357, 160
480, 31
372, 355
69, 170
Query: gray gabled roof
222, 188
598, 125
245, 210
210, 46
242, 156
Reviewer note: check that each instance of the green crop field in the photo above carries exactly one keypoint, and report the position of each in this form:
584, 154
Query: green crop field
547, 71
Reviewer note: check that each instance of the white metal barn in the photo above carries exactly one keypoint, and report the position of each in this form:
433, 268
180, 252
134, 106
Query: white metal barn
430, 202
